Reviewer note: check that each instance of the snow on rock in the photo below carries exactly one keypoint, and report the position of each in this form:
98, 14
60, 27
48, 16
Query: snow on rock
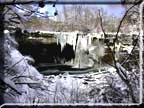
17, 66
30, 60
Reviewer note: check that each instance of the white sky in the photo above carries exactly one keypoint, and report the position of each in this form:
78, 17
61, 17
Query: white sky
116, 10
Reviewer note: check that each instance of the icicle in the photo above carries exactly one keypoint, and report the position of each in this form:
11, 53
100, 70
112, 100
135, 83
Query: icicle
62, 40
74, 41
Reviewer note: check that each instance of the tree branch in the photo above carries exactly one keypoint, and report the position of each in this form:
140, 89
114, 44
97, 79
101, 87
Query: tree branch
119, 26
119, 71
10, 84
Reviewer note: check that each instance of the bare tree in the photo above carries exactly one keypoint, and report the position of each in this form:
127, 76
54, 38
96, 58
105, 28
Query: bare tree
121, 71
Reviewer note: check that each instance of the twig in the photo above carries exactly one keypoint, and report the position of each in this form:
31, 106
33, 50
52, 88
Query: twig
105, 35
10, 84
19, 16
16, 77
9, 69
119, 26
135, 43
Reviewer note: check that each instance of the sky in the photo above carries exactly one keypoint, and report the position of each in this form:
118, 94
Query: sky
115, 10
